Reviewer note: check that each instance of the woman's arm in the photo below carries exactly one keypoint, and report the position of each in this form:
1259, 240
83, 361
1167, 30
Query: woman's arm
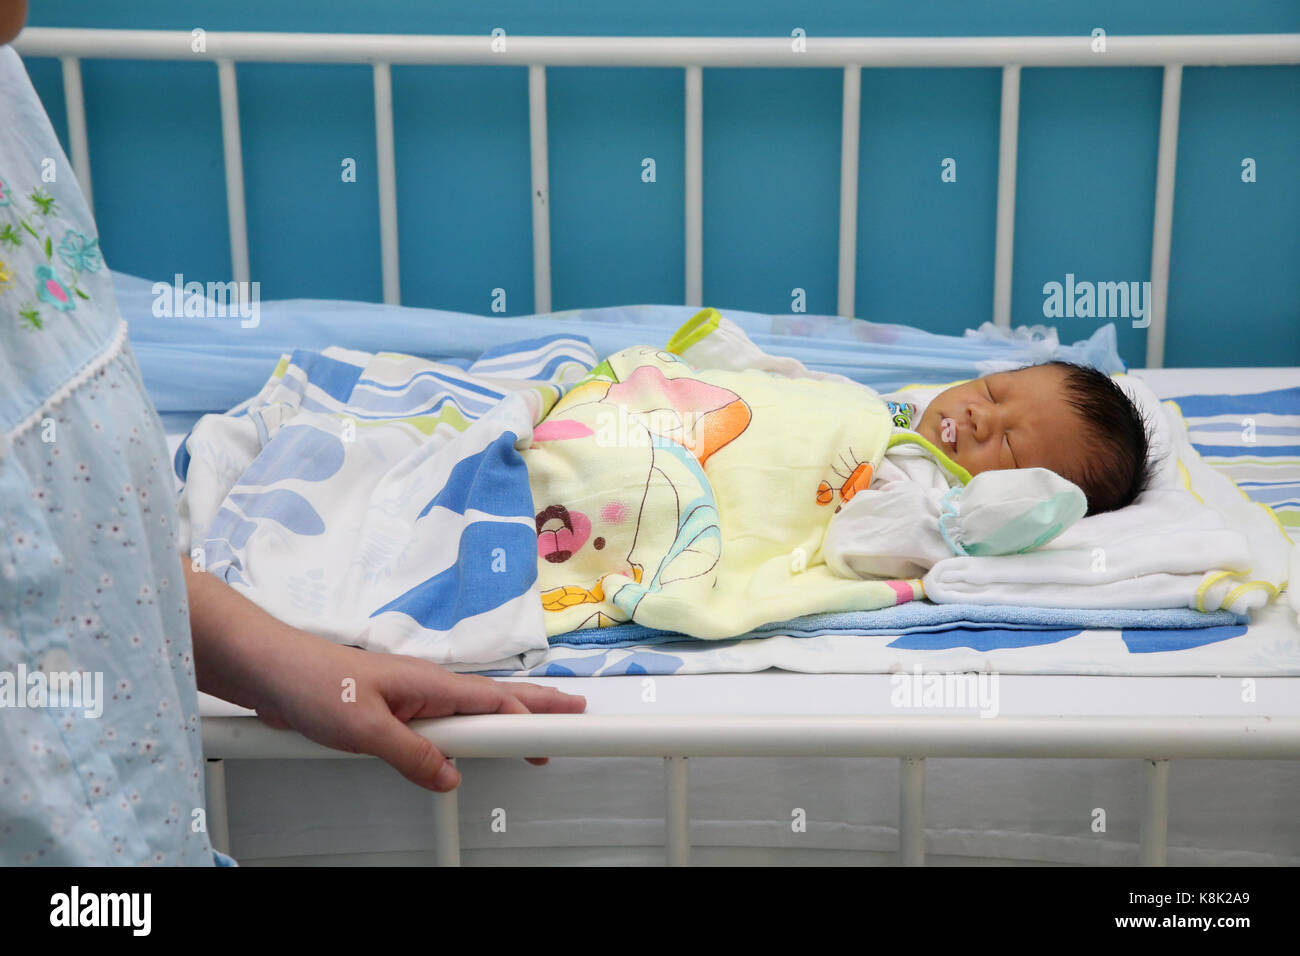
342, 697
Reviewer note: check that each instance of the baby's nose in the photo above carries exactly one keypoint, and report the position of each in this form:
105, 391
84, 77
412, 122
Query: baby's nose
983, 419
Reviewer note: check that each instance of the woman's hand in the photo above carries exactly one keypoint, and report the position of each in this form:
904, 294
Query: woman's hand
342, 697
360, 701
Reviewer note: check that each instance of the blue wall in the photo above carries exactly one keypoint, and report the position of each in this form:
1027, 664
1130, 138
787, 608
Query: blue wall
771, 167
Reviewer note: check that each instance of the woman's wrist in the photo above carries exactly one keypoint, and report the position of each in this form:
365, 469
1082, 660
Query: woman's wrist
242, 654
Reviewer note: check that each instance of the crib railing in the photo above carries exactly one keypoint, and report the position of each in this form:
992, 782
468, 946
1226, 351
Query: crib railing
911, 739
675, 738
691, 54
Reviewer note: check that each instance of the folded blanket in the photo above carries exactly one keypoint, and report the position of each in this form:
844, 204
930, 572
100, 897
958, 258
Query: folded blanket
1267, 648
919, 617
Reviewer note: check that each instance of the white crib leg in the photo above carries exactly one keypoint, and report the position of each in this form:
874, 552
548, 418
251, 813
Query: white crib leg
850, 125
676, 823
233, 151
694, 187
385, 154
75, 100
911, 811
217, 812
540, 162
446, 826
1162, 231
1004, 241
1155, 814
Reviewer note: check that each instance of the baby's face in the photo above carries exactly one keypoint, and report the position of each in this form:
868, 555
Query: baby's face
1017, 419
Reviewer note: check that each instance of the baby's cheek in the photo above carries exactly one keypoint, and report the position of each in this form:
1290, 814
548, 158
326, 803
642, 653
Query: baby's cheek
927, 427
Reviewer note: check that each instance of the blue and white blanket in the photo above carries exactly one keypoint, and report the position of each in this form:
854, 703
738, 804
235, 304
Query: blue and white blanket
380, 499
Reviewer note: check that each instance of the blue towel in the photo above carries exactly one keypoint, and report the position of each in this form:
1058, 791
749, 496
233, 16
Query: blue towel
920, 616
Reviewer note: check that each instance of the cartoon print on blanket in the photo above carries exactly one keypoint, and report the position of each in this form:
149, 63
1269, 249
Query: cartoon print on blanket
658, 447
857, 475
670, 496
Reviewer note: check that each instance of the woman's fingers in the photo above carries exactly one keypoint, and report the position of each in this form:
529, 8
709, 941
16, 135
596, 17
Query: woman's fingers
513, 705
475, 694
545, 700
481, 695
413, 756
468, 694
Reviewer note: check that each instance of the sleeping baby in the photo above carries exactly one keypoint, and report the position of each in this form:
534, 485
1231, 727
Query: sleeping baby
1041, 446
710, 488
1067, 418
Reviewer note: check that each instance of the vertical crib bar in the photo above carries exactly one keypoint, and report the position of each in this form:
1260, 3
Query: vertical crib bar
385, 153
1155, 813
849, 126
217, 810
74, 97
1008, 142
1166, 161
234, 156
694, 186
541, 189
446, 828
676, 822
911, 811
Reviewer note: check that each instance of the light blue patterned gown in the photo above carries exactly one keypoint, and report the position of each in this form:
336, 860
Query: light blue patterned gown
90, 574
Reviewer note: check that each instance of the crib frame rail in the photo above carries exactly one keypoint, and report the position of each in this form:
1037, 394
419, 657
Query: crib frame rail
692, 54
912, 738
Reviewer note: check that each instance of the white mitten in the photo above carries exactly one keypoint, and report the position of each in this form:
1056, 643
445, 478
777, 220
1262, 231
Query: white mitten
902, 528
890, 530
1009, 511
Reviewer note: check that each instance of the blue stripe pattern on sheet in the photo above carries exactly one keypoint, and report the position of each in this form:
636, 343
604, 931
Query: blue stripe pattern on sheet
1281, 401
1250, 436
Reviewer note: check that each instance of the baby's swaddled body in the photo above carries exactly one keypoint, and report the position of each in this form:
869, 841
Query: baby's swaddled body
697, 499
699, 489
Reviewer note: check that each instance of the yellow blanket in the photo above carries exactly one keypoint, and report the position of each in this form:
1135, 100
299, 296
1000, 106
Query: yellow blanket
696, 500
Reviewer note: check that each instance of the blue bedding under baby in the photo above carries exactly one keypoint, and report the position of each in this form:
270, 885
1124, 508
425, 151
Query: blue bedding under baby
921, 616
884, 356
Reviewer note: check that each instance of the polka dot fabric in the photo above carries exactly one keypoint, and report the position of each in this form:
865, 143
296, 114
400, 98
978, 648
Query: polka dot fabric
91, 583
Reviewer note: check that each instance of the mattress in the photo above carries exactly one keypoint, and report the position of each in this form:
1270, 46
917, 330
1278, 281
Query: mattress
610, 810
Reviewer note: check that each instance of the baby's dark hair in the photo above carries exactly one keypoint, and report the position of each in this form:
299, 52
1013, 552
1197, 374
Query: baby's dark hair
1116, 441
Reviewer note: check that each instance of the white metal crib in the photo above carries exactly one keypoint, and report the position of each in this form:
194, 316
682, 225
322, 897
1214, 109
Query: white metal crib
1154, 740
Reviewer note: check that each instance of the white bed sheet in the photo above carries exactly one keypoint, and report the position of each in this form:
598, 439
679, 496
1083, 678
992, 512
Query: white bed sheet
610, 810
